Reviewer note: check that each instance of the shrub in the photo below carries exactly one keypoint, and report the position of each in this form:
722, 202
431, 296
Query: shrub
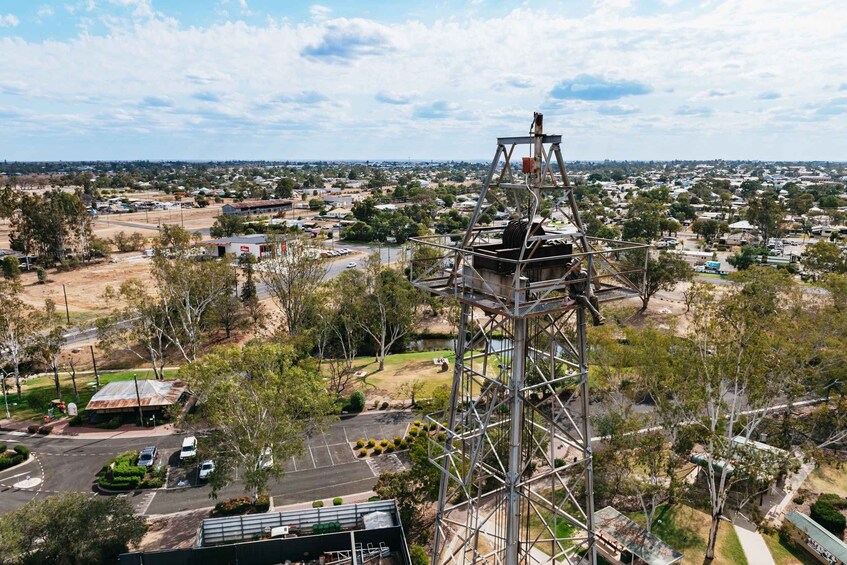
7, 460
374, 499
318, 504
829, 517
337, 501
326, 528
433, 426
383, 406
118, 483
263, 503
22, 450
838, 502
377, 451
416, 423
418, 555
360, 444
403, 445
111, 424
75, 421
39, 399
371, 443
41, 274
412, 432
383, 442
397, 440
151, 482
389, 449
45, 430
2, 448
357, 401
558, 462
442, 436
11, 267
363, 453
233, 506
799, 499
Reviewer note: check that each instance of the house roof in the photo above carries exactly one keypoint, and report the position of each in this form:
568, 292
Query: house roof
742, 225
249, 204
255, 239
122, 394
636, 539
824, 538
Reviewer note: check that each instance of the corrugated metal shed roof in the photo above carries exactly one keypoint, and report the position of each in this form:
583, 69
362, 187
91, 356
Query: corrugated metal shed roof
821, 536
121, 394
636, 539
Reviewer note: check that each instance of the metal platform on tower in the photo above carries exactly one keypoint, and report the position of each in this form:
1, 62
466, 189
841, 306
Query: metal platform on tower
516, 464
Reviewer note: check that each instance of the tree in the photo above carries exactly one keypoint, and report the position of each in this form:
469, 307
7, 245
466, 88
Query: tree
285, 187
73, 528
825, 257
659, 273
227, 225
388, 308
187, 290
47, 345
258, 398
726, 374
747, 257
766, 213
138, 327
51, 225
11, 268
315, 204
338, 333
707, 229
412, 388
293, 273
643, 219
19, 326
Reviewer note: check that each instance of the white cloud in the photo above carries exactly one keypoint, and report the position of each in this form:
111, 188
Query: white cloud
44, 11
9, 20
700, 77
319, 12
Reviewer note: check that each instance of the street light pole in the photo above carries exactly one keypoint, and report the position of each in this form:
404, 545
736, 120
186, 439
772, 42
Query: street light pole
94, 364
67, 312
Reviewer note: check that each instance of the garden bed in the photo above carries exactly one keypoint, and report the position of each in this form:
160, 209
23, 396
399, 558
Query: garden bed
122, 474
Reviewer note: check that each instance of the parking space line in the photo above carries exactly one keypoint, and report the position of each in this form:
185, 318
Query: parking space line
328, 450
344, 428
294, 462
312, 455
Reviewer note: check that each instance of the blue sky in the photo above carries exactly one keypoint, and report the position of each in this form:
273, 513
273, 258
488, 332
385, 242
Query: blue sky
620, 79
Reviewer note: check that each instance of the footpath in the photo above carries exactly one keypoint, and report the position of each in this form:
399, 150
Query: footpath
61, 429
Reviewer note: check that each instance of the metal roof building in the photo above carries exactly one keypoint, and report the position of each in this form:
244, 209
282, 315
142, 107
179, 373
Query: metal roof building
369, 533
121, 396
620, 540
817, 540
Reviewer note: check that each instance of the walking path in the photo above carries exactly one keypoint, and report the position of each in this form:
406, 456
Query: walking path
754, 546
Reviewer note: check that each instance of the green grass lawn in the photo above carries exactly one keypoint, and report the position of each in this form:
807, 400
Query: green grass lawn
38, 392
401, 368
686, 530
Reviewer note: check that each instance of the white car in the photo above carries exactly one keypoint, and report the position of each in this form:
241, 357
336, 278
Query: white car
189, 448
266, 460
352, 265
206, 468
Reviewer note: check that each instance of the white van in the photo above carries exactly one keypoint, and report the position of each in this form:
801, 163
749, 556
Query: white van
189, 448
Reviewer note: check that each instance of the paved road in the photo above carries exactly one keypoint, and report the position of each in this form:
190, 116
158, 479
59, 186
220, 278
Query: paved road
327, 469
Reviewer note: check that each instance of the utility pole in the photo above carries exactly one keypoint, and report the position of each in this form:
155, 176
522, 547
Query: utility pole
67, 312
138, 396
94, 364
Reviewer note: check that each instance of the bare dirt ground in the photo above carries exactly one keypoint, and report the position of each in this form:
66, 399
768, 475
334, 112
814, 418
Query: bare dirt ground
85, 286
172, 532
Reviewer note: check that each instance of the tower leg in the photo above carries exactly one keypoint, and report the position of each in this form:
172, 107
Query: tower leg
513, 495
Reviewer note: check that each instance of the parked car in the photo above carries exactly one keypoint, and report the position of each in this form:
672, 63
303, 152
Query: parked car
189, 448
351, 265
147, 456
206, 468
266, 460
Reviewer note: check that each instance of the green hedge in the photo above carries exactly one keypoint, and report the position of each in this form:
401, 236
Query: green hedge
834, 500
11, 459
326, 528
119, 483
111, 424
337, 501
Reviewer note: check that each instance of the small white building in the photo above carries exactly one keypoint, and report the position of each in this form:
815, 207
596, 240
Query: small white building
237, 245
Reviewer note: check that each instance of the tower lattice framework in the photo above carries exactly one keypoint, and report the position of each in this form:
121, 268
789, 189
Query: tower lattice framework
514, 447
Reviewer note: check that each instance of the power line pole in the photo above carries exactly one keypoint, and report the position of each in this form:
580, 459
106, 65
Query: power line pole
94, 364
138, 396
67, 311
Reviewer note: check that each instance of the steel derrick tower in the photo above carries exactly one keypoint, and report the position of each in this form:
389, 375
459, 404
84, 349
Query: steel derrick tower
516, 465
